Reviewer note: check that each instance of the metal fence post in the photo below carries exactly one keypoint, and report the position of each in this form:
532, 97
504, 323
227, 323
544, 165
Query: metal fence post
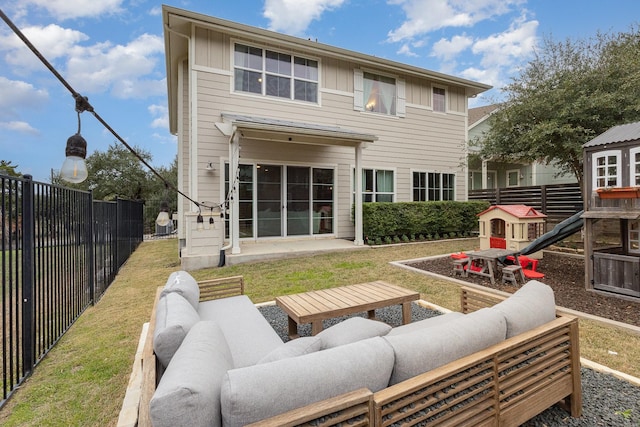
28, 302
91, 238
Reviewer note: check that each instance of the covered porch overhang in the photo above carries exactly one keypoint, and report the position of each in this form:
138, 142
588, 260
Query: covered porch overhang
242, 127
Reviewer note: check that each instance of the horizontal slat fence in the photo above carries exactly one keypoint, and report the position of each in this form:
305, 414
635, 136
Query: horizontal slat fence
557, 201
59, 251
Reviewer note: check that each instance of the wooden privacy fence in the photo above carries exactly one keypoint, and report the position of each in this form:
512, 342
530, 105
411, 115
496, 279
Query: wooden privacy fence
59, 251
557, 201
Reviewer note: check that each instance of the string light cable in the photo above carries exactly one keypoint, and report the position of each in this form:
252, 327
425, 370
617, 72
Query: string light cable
82, 105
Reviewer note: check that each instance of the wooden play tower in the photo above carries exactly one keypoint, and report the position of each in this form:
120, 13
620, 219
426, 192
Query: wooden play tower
611, 197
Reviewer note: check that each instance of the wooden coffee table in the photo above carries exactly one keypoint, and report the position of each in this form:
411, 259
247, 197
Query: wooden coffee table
315, 306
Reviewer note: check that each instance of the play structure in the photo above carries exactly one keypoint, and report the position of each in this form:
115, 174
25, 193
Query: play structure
612, 211
510, 226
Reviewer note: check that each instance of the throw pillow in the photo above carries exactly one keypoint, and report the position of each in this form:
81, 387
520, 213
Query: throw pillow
293, 348
174, 318
352, 330
184, 284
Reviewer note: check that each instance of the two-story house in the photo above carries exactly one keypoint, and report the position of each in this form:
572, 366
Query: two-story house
284, 132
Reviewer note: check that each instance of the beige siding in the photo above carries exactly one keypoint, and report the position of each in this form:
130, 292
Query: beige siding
423, 140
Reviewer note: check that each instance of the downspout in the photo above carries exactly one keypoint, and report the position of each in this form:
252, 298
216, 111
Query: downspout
223, 249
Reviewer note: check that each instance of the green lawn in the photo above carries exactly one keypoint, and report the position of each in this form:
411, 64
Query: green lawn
83, 379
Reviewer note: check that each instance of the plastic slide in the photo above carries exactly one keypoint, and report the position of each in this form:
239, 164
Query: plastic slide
571, 225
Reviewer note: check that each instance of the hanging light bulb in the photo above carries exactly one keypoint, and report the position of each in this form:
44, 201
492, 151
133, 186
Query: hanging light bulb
74, 168
199, 222
211, 218
163, 216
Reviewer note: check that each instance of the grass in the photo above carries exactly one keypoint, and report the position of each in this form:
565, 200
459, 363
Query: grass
83, 380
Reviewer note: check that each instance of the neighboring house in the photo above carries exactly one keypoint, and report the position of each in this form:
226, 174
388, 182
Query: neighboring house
288, 130
486, 173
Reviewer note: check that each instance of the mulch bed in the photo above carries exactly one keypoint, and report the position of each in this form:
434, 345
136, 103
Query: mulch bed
565, 274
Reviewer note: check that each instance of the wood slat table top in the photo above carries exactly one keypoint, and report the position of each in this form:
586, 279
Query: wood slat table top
334, 302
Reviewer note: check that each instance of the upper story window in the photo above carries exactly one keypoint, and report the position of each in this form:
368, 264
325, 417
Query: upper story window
379, 94
439, 100
271, 73
606, 169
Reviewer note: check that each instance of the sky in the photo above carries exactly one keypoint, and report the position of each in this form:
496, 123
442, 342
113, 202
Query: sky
112, 51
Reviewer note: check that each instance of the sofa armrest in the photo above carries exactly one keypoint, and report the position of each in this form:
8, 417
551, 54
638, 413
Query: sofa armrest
353, 408
221, 288
474, 299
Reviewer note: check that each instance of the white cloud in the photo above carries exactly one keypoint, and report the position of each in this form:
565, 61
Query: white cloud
406, 50
121, 69
448, 49
155, 11
51, 41
20, 127
161, 116
424, 16
70, 9
294, 16
18, 94
511, 46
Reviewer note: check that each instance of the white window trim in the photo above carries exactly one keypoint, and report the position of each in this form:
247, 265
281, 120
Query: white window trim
358, 92
517, 172
446, 95
232, 90
632, 166
427, 172
596, 155
394, 196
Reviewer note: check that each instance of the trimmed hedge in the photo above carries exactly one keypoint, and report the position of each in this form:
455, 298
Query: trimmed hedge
382, 219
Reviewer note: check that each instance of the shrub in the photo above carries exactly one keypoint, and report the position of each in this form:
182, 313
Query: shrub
383, 219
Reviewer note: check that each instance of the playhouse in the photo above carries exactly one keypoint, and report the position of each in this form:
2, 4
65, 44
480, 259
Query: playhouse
510, 227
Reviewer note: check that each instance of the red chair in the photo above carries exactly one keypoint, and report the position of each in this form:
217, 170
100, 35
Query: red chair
529, 267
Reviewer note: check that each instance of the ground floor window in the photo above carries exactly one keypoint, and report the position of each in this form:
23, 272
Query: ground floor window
634, 237
279, 200
433, 186
377, 185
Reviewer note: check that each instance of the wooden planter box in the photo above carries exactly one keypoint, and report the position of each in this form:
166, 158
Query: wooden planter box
619, 193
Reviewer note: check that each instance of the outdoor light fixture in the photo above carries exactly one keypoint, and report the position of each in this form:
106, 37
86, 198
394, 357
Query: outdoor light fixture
199, 221
163, 216
74, 168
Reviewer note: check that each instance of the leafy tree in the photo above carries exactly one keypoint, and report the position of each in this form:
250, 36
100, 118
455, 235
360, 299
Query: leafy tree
6, 168
568, 94
117, 173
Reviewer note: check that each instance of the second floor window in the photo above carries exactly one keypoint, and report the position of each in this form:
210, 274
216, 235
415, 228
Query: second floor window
439, 100
270, 73
379, 94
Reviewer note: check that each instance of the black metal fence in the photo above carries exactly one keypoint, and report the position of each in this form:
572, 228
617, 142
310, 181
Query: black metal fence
557, 201
59, 252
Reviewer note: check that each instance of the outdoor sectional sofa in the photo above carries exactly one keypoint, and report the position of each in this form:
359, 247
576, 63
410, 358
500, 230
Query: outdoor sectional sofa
210, 358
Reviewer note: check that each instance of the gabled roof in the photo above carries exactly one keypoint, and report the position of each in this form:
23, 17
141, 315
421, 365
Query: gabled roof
480, 114
621, 133
518, 211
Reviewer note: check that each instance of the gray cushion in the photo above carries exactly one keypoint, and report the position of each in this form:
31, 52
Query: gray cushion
426, 323
352, 330
256, 392
249, 335
189, 392
531, 306
184, 284
293, 348
174, 317
426, 349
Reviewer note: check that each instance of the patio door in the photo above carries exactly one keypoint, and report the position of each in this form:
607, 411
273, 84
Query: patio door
280, 201
269, 194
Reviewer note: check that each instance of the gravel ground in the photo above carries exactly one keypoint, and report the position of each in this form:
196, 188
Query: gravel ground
607, 401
